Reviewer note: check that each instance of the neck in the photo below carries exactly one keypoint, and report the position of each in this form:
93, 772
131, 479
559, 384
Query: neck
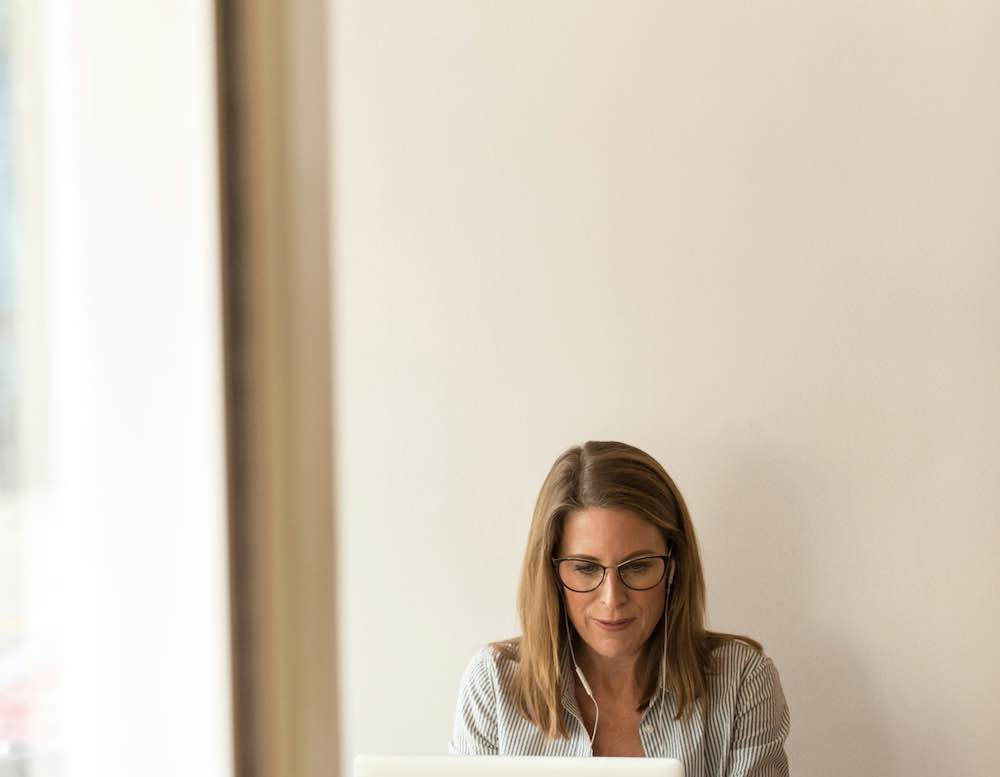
609, 676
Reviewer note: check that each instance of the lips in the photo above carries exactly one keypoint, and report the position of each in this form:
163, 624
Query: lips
616, 625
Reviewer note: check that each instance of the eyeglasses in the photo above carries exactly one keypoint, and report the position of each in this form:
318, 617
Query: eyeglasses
582, 575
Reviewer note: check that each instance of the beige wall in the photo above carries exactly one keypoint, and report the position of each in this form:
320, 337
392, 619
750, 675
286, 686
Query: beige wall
759, 241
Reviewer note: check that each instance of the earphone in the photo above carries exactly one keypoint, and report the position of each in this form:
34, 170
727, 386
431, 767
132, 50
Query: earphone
666, 611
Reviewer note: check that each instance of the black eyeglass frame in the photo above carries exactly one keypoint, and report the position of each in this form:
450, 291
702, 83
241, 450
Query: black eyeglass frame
604, 572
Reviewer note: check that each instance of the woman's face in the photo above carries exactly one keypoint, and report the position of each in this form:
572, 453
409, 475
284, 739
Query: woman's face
614, 621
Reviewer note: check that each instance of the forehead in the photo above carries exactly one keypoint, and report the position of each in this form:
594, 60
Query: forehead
608, 533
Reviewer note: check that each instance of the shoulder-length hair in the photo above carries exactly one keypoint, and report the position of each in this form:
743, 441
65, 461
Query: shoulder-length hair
610, 474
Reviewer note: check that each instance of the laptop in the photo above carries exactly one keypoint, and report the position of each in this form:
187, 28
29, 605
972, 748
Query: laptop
512, 766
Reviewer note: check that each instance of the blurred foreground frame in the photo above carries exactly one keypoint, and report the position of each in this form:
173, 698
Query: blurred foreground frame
272, 59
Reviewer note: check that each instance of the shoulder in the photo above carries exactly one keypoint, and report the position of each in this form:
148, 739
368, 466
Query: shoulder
494, 657
481, 700
745, 673
746, 702
490, 668
734, 655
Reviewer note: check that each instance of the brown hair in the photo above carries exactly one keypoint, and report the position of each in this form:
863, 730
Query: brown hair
609, 474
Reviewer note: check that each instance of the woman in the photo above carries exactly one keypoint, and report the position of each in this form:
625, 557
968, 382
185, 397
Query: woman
614, 658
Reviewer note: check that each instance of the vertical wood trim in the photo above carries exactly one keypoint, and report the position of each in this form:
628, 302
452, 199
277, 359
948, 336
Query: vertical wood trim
273, 133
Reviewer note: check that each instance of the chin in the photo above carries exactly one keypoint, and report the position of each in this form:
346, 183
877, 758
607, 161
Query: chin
609, 647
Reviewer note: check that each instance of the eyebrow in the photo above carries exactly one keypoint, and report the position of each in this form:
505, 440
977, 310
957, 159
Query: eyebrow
629, 557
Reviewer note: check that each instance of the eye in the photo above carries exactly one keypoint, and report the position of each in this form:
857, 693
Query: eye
585, 568
637, 566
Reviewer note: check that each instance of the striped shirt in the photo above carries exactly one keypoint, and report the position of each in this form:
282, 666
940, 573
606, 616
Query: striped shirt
737, 729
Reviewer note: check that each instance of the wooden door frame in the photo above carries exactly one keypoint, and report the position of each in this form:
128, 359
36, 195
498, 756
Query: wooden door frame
274, 191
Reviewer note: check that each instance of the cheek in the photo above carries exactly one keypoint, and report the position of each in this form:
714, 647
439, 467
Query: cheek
652, 607
576, 607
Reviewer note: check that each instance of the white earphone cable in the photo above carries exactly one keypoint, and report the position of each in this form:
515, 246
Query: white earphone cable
663, 658
579, 673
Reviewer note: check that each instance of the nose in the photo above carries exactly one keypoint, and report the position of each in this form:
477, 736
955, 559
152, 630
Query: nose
613, 593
